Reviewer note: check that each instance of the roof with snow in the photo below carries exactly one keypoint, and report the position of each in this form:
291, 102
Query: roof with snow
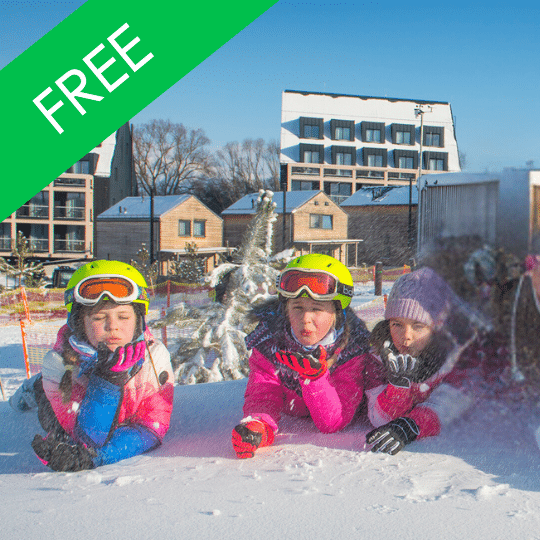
382, 196
139, 207
331, 94
293, 201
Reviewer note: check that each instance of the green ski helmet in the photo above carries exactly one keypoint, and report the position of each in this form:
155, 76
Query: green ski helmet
319, 276
116, 280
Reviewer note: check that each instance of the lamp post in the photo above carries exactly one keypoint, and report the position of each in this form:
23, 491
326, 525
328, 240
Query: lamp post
419, 110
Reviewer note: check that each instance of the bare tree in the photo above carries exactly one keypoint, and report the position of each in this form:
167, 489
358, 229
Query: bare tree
168, 154
240, 168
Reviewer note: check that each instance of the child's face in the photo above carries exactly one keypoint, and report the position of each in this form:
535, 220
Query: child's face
310, 319
410, 336
112, 324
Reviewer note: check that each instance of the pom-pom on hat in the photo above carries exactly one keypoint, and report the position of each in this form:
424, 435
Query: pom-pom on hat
422, 296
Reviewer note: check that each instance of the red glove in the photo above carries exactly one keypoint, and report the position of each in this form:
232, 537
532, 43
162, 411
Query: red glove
248, 436
309, 367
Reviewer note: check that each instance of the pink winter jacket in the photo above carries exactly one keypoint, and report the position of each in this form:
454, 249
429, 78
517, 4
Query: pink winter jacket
146, 402
332, 400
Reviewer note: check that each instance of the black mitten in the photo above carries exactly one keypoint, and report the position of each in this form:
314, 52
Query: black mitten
59, 452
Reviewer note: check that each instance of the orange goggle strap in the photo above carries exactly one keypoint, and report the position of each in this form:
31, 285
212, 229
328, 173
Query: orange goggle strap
91, 290
319, 284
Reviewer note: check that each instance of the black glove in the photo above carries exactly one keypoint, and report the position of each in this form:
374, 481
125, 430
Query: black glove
401, 368
392, 437
61, 453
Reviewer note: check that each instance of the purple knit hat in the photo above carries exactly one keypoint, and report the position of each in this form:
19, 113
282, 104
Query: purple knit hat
422, 296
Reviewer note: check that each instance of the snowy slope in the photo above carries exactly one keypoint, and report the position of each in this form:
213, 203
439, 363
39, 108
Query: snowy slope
480, 479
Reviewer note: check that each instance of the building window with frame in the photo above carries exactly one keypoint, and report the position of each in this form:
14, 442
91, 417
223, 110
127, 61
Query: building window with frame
311, 128
342, 130
343, 155
373, 135
199, 228
403, 134
405, 159
373, 132
81, 167
375, 157
304, 185
320, 221
406, 162
374, 161
338, 191
311, 153
435, 164
436, 161
434, 136
184, 227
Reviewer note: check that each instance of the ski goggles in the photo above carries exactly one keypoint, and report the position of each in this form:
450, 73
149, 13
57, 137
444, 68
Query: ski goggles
119, 289
317, 283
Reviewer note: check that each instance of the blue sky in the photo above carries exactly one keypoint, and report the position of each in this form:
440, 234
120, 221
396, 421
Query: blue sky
483, 59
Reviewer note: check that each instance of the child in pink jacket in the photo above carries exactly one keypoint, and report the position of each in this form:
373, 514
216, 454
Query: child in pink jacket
106, 389
419, 343
309, 355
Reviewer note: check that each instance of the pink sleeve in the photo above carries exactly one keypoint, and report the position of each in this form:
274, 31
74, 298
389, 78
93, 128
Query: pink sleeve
155, 411
333, 399
264, 397
154, 407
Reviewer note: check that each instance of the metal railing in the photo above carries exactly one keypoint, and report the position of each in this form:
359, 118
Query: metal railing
69, 212
72, 182
33, 211
38, 244
68, 245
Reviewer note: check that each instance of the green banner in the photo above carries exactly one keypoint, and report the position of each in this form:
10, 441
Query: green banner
94, 72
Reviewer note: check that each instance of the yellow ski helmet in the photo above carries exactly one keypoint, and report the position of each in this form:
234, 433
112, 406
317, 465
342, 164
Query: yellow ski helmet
320, 276
115, 280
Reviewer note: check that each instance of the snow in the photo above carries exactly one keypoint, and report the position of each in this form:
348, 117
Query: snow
479, 478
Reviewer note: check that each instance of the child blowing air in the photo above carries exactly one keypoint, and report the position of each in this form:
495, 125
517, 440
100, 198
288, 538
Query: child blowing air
106, 389
310, 355
419, 342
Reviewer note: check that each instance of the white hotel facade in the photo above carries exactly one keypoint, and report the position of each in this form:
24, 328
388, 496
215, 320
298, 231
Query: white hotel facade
340, 143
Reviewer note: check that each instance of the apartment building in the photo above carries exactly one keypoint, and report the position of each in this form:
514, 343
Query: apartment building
59, 220
341, 143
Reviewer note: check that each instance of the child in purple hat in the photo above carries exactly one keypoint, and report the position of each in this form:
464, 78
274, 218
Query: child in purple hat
419, 342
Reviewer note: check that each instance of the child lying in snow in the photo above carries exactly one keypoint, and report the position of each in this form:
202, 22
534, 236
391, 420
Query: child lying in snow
106, 389
310, 355
419, 343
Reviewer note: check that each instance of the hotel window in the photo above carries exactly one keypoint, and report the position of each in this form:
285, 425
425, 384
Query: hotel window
405, 159
311, 153
311, 128
403, 134
304, 185
81, 167
342, 130
320, 221
375, 157
199, 228
436, 161
343, 155
338, 191
373, 132
434, 136
184, 227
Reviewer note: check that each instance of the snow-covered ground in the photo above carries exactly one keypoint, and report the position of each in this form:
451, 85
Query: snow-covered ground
479, 479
